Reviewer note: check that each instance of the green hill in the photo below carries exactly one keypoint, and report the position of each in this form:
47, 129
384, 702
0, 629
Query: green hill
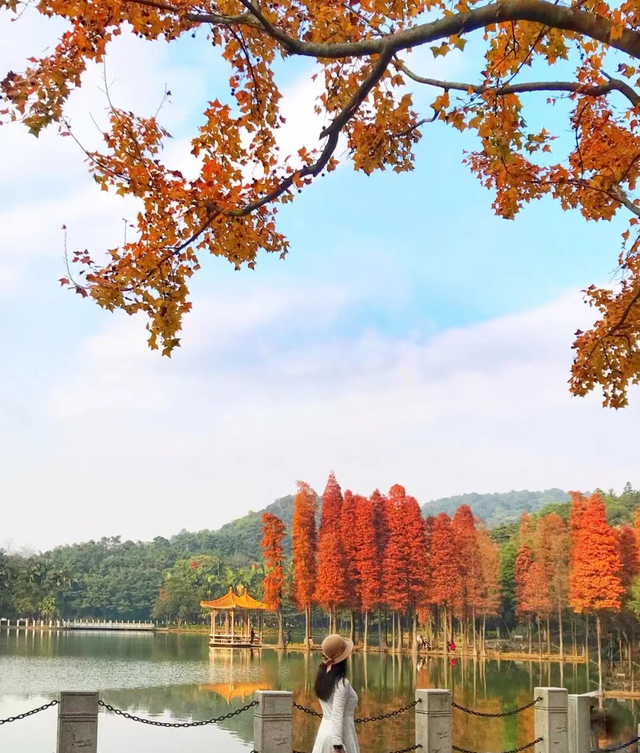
499, 507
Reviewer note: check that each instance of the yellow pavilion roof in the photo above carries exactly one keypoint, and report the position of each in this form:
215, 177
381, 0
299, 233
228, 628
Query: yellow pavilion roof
232, 600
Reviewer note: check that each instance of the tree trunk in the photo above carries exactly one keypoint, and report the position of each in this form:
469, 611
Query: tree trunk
548, 637
280, 629
539, 638
307, 627
599, 634
586, 637
393, 631
445, 625
414, 632
560, 636
475, 639
530, 635
382, 631
352, 632
574, 637
400, 641
365, 641
484, 634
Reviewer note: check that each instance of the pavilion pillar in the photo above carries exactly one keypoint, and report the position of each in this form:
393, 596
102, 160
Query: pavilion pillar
233, 626
213, 623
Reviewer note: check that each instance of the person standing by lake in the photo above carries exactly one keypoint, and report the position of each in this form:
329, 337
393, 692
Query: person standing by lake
337, 731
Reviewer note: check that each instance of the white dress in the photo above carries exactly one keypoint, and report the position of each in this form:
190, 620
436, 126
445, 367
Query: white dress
338, 726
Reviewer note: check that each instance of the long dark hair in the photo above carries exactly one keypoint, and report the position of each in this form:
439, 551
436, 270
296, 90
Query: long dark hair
326, 681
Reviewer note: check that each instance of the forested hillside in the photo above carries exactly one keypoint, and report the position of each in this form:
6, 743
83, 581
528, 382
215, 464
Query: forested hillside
167, 578
499, 507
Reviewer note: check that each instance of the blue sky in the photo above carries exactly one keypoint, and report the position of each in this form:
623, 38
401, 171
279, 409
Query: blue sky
410, 336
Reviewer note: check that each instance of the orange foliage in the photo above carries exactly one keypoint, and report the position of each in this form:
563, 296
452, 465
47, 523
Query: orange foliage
229, 207
330, 589
630, 563
594, 583
273, 531
304, 545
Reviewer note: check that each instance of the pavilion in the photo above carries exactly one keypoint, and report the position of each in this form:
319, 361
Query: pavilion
225, 634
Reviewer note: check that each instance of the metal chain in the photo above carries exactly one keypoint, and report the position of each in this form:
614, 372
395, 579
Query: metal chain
153, 723
515, 750
366, 719
495, 716
29, 713
617, 747
311, 712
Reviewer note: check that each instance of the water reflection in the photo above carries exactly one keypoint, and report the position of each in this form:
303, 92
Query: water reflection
178, 678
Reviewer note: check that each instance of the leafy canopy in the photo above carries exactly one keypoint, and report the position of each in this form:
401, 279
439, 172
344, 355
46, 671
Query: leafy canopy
229, 209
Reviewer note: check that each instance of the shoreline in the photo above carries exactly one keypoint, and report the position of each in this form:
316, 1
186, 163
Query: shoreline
203, 630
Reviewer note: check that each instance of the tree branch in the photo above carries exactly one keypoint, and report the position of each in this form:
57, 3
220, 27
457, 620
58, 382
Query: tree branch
599, 90
549, 14
375, 74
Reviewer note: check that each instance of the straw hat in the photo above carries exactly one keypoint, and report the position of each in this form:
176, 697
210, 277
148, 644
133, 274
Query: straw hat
335, 649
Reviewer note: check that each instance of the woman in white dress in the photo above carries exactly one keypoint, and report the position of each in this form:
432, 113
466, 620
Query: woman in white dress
338, 699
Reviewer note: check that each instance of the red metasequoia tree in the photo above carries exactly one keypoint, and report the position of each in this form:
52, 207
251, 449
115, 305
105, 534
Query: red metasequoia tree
594, 582
304, 550
367, 560
488, 603
552, 548
523, 563
395, 576
465, 536
273, 531
349, 548
330, 592
445, 573
417, 559
381, 523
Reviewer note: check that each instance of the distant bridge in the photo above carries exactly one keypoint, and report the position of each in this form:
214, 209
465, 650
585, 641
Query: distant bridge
27, 623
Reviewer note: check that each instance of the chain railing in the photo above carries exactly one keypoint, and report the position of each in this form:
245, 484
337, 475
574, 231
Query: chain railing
366, 719
495, 716
176, 725
515, 750
24, 715
617, 747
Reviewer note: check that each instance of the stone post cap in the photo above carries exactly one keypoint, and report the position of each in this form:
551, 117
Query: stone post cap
79, 704
433, 700
552, 698
274, 703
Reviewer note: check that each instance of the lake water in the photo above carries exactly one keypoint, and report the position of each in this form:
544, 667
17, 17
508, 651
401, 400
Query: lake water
173, 677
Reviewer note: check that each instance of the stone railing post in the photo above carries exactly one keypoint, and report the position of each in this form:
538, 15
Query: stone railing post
551, 720
433, 721
273, 721
580, 723
78, 723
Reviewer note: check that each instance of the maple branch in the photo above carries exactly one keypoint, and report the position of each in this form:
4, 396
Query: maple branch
375, 74
573, 19
598, 90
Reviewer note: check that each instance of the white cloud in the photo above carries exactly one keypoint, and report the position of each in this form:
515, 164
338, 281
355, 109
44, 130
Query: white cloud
140, 445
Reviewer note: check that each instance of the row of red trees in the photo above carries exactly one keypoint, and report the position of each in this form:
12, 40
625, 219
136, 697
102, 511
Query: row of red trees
585, 566
378, 554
